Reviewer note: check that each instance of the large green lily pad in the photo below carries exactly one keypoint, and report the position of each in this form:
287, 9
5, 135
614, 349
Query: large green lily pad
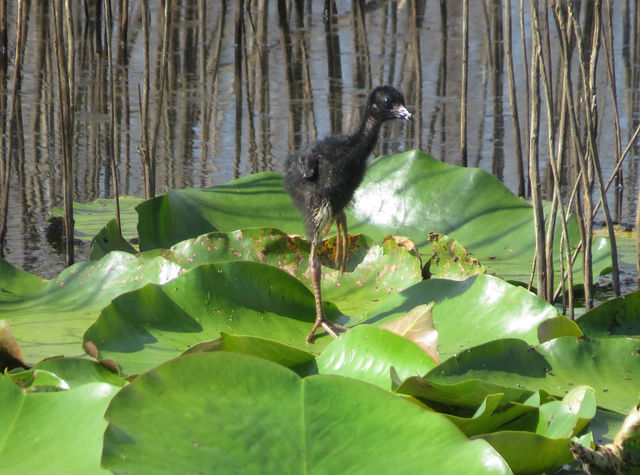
368, 353
65, 373
285, 355
256, 200
414, 194
548, 425
143, 328
53, 432
91, 217
409, 194
470, 312
610, 366
243, 414
373, 271
48, 317
614, 318
527, 452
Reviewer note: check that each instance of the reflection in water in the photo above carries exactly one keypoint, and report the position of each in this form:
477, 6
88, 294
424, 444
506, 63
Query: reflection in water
249, 82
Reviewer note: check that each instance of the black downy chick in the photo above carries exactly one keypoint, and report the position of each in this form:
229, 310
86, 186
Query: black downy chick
322, 177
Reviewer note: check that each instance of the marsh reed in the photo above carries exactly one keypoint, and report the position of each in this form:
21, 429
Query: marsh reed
547, 67
64, 45
8, 127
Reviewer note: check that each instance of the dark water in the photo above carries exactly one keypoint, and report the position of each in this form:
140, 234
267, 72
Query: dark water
240, 103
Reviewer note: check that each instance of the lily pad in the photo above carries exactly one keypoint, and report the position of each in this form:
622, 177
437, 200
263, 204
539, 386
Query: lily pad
107, 240
143, 328
559, 419
610, 366
373, 271
16, 284
53, 432
548, 429
605, 426
90, 218
470, 312
368, 353
450, 260
178, 215
70, 372
61, 310
247, 414
271, 350
614, 318
527, 452
467, 394
49, 317
417, 326
409, 194
556, 327
415, 194
495, 411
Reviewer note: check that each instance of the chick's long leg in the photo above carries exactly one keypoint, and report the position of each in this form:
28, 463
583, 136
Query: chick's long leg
342, 240
316, 276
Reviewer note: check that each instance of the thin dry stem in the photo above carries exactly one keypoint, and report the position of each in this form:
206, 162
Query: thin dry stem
536, 197
113, 125
464, 83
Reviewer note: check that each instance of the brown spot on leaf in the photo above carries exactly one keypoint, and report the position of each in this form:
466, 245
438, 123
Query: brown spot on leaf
91, 349
110, 365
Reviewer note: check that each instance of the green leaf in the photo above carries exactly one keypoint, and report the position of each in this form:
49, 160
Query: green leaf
179, 215
470, 312
604, 426
64, 373
368, 353
48, 318
556, 327
271, 350
243, 414
417, 326
52, 432
495, 411
467, 394
374, 271
61, 310
559, 419
143, 328
610, 366
90, 218
409, 194
581, 402
450, 260
614, 318
16, 284
77, 371
526, 452
107, 240
414, 194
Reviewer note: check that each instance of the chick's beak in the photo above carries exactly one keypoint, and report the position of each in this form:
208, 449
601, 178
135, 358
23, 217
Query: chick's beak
401, 112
